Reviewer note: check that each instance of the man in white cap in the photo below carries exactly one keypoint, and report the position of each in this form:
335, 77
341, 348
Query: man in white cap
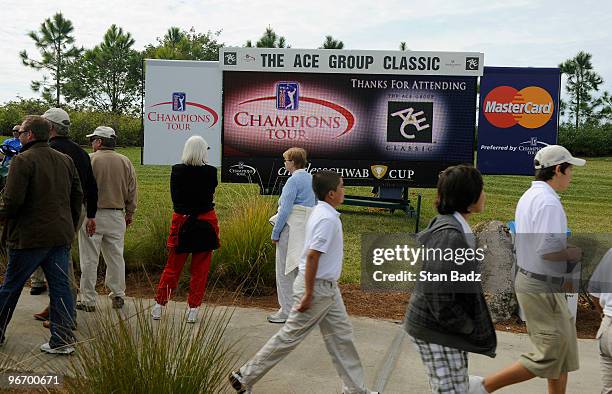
542, 256
116, 180
59, 140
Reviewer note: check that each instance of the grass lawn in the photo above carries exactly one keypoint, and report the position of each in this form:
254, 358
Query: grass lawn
588, 204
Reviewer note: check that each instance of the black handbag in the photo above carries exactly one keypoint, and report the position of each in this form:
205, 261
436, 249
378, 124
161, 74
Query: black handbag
196, 236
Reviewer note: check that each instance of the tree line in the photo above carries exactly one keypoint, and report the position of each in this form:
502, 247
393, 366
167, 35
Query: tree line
108, 77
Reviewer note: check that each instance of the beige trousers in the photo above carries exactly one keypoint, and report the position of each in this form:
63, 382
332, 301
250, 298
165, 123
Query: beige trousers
605, 353
328, 312
108, 239
284, 283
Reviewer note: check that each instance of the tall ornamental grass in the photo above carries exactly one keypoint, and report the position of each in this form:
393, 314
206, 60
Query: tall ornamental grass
246, 256
137, 355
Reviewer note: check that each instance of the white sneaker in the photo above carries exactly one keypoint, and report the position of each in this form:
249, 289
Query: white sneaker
279, 317
68, 349
156, 311
476, 385
192, 315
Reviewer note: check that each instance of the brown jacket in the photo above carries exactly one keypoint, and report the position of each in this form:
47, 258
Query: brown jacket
42, 199
116, 179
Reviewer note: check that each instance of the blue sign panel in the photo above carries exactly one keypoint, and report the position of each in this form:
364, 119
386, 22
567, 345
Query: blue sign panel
518, 115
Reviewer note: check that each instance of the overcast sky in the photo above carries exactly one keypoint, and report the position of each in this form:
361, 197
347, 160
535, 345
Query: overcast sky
509, 32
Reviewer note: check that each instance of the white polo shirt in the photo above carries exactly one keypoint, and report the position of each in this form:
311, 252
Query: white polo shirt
324, 234
600, 285
541, 227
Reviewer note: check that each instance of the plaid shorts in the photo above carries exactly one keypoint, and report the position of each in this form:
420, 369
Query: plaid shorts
447, 367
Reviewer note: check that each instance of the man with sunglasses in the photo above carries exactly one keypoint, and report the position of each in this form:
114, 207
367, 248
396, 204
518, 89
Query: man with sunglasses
41, 206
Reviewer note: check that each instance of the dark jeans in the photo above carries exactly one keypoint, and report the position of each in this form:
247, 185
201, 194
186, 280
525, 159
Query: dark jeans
54, 262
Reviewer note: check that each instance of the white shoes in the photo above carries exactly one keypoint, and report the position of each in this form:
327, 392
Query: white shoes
68, 349
192, 315
279, 317
476, 385
156, 311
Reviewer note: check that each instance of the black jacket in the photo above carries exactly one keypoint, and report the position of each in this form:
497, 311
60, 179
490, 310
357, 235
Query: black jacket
449, 313
82, 163
192, 188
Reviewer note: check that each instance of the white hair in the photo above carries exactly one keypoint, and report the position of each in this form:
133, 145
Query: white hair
195, 152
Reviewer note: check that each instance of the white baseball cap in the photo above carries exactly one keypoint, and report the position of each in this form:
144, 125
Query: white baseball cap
57, 115
553, 155
102, 131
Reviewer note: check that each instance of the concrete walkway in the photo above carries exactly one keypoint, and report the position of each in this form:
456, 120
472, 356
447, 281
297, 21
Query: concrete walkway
390, 361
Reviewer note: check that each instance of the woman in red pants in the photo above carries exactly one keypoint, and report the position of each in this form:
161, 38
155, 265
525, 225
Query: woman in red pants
194, 226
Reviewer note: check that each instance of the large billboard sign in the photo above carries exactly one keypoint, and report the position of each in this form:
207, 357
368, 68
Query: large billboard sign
182, 98
397, 129
518, 115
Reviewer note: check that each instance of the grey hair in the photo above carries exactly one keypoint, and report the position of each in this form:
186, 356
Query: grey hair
195, 152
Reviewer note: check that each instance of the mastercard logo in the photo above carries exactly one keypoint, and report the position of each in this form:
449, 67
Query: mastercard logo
530, 107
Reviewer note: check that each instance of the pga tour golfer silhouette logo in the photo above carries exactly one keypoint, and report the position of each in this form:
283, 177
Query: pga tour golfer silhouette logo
287, 95
178, 101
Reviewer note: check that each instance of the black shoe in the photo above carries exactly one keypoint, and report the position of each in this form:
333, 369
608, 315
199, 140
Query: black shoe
118, 302
38, 290
234, 379
85, 308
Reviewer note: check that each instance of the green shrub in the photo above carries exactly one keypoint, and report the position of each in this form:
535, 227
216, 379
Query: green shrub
588, 140
137, 355
246, 256
128, 128
13, 112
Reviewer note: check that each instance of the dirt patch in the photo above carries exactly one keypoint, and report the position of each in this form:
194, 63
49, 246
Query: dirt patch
377, 305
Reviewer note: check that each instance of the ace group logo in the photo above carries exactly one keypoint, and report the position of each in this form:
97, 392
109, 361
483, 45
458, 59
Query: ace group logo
531, 107
409, 121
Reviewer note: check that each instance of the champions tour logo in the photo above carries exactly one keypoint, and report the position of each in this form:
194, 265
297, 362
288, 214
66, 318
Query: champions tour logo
181, 118
530, 107
300, 119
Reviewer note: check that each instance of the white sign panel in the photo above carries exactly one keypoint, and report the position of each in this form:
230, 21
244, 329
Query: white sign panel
352, 62
182, 99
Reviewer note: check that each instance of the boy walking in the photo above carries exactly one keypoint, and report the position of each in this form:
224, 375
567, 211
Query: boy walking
317, 299
542, 254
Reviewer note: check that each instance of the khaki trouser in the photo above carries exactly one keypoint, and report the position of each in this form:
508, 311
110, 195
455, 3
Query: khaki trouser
551, 328
604, 335
284, 283
328, 312
38, 277
108, 239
